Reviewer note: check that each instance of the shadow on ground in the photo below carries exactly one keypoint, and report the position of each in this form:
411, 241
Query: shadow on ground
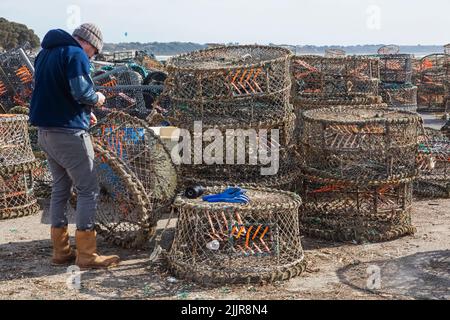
424, 275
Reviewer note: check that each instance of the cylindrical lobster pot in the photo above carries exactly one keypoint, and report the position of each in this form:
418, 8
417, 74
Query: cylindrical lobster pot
229, 85
16, 191
15, 147
226, 243
396, 68
317, 78
361, 146
434, 165
399, 96
344, 212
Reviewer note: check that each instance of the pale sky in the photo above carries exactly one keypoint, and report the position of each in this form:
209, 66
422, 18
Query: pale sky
301, 22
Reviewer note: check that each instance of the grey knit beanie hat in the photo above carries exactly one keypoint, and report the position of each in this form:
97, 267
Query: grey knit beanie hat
90, 33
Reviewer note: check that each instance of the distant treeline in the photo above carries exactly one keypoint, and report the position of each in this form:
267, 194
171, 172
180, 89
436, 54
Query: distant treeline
14, 34
173, 48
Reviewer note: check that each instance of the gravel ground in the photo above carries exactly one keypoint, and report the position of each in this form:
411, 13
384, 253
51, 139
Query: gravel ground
414, 267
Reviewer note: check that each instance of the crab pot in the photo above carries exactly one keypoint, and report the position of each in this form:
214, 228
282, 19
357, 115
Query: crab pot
16, 79
434, 165
123, 207
134, 143
226, 243
435, 68
229, 85
16, 192
345, 78
362, 146
344, 212
432, 97
15, 147
396, 68
398, 96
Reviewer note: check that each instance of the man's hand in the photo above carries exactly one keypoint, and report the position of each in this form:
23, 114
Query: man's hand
93, 120
101, 99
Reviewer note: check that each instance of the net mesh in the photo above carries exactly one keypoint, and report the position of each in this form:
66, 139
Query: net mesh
258, 242
15, 147
399, 96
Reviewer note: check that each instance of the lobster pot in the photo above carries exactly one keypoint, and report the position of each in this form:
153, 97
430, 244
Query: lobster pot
16, 79
123, 208
344, 212
401, 97
230, 85
432, 97
434, 165
435, 68
136, 100
225, 243
118, 76
134, 143
340, 79
360, 145
396, 68
391, 49
16, 192
447, 49
15, 147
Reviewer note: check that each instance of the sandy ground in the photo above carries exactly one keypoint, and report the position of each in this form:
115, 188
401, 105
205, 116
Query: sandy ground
414, 267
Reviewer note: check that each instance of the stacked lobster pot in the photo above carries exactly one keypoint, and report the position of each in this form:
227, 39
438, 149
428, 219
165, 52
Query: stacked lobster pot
434, 83
334, 53
17, 163
396, 72
434, 165
358, 166
16, 79
233, 102
325, 82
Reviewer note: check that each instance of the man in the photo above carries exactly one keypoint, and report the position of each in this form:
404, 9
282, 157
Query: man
61, 108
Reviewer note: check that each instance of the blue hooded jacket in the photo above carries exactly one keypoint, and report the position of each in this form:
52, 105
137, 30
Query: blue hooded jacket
63, 93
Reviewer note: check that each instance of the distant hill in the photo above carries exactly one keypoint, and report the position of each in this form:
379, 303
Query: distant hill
13, 34
174, 48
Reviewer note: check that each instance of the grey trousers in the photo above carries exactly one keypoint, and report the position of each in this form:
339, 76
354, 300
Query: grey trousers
70, 157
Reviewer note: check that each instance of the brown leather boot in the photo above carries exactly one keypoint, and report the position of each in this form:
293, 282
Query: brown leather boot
62, 253
87, 257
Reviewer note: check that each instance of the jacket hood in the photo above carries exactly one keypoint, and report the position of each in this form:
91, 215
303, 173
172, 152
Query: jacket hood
58, 38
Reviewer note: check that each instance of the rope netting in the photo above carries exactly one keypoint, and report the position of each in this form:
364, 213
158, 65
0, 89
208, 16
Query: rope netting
389, 49
15, 147
237, 243
334, 53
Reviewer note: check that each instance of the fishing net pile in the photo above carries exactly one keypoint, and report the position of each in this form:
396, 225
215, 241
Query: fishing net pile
238, 243
358, 166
